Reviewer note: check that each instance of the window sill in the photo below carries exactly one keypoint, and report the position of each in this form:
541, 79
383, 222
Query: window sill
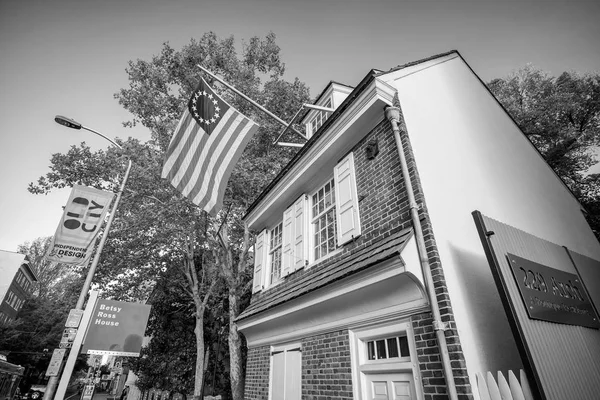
320, 260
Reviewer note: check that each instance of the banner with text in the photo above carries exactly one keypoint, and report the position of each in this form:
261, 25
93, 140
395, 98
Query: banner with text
116, 328
79, 225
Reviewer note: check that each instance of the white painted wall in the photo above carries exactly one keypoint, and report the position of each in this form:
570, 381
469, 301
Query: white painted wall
471, 156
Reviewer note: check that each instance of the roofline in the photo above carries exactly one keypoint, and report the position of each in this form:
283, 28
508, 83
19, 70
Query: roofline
314, 138
373, 73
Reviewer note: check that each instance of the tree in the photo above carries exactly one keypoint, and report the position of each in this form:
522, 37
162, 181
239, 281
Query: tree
155, 228
561, 117
40, 323
50, 275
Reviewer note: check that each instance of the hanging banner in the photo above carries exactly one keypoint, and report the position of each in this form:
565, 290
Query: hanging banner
116, 328
79, 225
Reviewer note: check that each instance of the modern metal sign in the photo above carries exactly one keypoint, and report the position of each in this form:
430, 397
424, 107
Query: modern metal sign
116, 328
552, 295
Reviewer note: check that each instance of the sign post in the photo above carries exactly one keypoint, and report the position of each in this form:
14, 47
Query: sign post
66, 375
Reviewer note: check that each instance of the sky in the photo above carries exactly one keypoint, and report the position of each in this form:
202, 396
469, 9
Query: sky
69, 57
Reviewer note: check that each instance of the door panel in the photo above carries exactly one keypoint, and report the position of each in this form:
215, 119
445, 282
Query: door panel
389, 386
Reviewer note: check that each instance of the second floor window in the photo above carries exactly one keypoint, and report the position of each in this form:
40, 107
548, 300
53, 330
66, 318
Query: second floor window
275, 253
324, 220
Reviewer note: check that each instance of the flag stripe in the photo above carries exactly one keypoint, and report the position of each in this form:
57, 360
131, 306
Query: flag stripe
230, 166
184, 122
207, 153
227, 148
188, 140
227, 159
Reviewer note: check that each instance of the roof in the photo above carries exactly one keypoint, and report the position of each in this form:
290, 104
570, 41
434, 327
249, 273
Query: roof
330, 271
336, 114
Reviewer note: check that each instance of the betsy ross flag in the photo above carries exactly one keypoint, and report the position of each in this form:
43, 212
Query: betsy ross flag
206, 145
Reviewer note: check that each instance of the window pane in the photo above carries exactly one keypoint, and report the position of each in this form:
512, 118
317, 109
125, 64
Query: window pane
380, 344
371, 350
404, 352
392, 347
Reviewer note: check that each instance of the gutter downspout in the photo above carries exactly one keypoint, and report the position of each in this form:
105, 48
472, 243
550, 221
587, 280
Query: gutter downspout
394, 115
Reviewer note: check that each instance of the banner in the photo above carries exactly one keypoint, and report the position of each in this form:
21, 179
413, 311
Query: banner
116, 328
79, 225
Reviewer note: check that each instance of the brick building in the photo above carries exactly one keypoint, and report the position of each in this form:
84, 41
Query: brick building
349, 301
16, 283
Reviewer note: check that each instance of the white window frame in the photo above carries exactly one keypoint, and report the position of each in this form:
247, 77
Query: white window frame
285, 349
313, 220
275, 247
361, 365
319, 118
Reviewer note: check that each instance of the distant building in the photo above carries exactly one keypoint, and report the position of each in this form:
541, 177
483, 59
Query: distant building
16, 283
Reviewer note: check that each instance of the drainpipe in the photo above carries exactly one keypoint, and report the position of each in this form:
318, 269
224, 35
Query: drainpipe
394, 115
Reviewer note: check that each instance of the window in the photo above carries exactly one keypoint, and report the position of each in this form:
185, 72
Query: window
324, 221
387, 348
313, 226
384, 361
319, 118
275, 253
11, 300
286, 372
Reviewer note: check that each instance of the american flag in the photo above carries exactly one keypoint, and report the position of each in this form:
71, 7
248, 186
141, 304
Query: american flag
206, 145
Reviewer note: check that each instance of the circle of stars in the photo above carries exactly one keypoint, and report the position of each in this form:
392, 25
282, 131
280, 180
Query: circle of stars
212, 98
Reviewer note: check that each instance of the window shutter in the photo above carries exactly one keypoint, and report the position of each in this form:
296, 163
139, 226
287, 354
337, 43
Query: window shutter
287, 242
278, 376
300, 226
259, 261
346, 200
293, 375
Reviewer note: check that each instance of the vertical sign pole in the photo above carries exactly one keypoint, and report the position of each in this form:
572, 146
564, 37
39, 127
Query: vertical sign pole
68, 370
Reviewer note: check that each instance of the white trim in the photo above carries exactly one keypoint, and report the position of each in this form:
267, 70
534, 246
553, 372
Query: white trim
261, 329
358, 338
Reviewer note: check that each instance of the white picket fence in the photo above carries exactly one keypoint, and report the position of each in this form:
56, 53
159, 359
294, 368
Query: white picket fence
490, 389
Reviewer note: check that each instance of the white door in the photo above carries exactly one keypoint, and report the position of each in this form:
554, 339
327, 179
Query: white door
389, 387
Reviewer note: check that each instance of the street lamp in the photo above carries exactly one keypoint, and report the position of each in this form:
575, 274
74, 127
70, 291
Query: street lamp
69, 123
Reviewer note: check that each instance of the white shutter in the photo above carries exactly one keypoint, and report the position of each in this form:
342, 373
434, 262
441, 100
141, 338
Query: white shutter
278, 375
300, 226
346, 200
287, 242
259, 261
293, 375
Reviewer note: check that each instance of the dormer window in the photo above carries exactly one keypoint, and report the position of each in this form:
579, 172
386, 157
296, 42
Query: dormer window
319, 118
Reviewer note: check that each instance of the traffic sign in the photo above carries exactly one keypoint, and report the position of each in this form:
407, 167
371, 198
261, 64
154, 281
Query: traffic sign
65, 345
74, 318
55, 361
70, 333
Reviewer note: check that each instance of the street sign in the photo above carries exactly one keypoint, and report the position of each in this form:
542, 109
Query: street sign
70, 333
55, 361
74, 318
88, 392
65, 345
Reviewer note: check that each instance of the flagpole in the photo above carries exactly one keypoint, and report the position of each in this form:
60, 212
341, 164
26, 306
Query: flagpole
255, 104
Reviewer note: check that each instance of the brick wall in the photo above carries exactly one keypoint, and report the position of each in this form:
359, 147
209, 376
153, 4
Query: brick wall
257, 373
326, 367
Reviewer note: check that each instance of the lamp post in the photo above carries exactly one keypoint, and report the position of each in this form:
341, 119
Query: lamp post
53, 381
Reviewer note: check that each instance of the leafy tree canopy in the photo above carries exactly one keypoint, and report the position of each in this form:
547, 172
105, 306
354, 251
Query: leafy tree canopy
561, 117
